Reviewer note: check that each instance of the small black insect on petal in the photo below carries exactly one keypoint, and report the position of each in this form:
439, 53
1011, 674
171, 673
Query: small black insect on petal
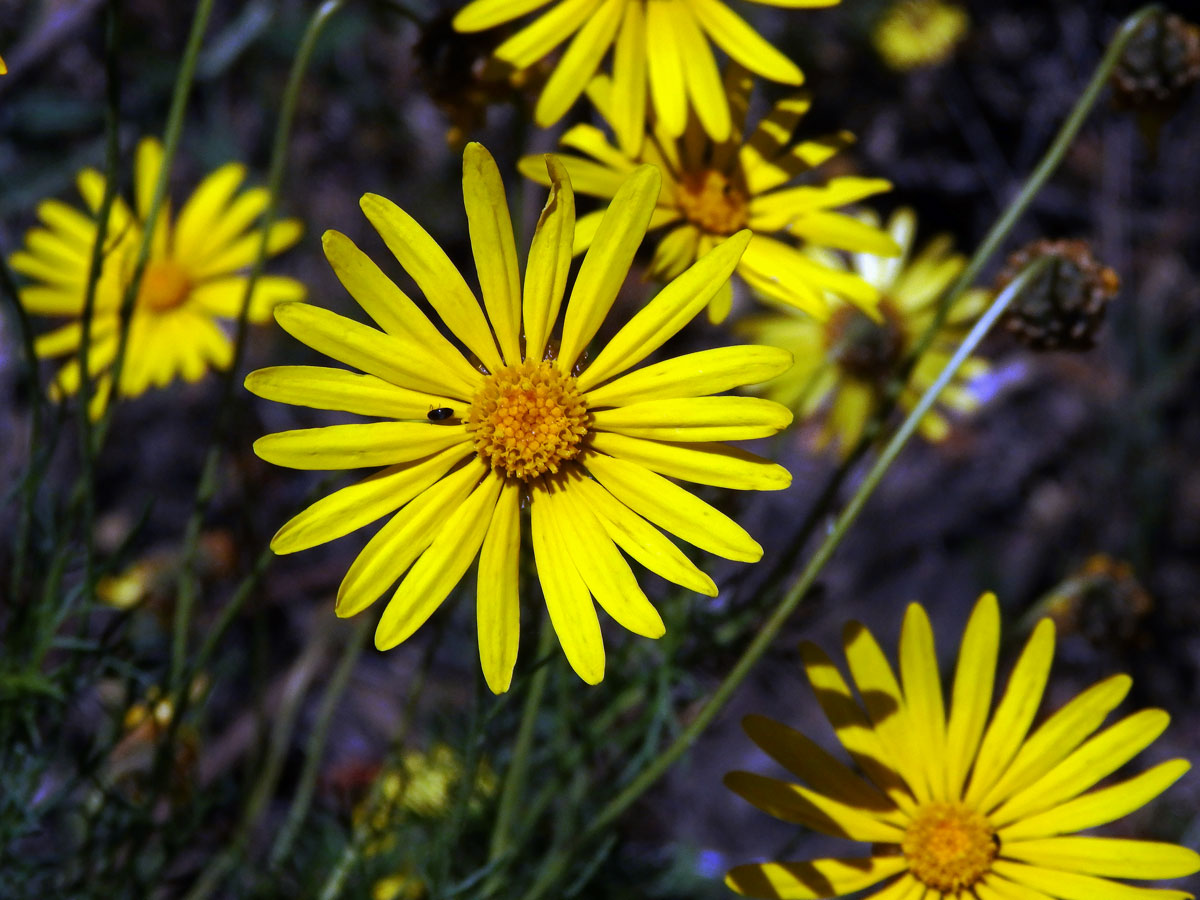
440, 414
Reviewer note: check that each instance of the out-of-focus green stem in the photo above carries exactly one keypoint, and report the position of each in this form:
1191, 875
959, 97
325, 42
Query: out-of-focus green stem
207, 486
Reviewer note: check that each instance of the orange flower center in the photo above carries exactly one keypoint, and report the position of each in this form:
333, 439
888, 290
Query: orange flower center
527, 419
949, 848
865, 348
165, 285
712, 201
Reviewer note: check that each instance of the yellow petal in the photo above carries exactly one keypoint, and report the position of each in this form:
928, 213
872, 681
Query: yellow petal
549, 260
829, 229
403, 538
694, 374
730, 32
672, 508
803, 806
546, 32
777, 271
441, 567
696, 419
591, 140
665, 68
243, 252
436, 276
362, 503
607, 262
206, 207
225, 296
704, 86
677, 250
482, 14
493, 246
497, 605
702, 463
320, 388
1107, 857
810, 880
923, 694
567, 598
579, 63
358, 445
147, 163
663, 317
629, 80
1072, 886
993, 887
69, 224
769, 137
974, 678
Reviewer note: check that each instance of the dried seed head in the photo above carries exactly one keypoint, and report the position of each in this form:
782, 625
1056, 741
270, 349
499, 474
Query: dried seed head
1063, 307
1159, 66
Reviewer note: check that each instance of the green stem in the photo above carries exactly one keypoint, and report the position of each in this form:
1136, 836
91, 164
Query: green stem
557, 865
315, 749
209, 478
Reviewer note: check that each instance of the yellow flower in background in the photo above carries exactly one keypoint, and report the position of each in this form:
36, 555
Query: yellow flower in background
191, 281
403, 885
519, 421
957, 806
660, 50
913, 34
712, 190
842, 365
3, 67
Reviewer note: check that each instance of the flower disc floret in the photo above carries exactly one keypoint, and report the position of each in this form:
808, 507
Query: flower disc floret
528, 419
165, 285
713, 202
948, 846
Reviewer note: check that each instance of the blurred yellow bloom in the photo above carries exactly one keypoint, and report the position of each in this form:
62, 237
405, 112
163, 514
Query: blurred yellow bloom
401, 886
955, 805
917, 33
842, 365
191, 279
3, 67
518, 421
660, 51
711, 190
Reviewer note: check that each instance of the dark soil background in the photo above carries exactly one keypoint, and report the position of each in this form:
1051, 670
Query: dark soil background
1073, 455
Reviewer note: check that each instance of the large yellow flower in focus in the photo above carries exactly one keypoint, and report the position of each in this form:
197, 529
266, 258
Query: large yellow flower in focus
660, 48
191, 281
957, 806
711, 190
843, 364
590, 447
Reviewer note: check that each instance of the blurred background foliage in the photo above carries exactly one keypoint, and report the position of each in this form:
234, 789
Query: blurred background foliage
1075, 492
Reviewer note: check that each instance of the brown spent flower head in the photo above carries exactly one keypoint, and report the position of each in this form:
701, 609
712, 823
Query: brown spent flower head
1159, 66
1063, 308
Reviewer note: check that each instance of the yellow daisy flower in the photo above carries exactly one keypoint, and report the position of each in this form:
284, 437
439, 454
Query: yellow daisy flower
584, 445
954, 806
711, 190
660, 48
842, 365
192, 278
913, 34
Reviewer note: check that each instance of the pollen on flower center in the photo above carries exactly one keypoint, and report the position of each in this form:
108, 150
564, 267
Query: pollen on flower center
165, 285
527, 419
862, 347
949, 848
712, 201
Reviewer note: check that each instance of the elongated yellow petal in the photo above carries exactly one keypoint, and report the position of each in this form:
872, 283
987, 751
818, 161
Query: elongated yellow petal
1015, 713
404, 538
810, 880
359, 445
1096, 758
58, 249
481, 14
243, 252
629, 80
677, 250
702, 463
771, 135
217, 229
567, 598
441, 567
764, 175
694, 375
730, 32
776, 209
497, 604
320, 388
362, 503
147, 163
803, 806
1073, 886
662, 318
672, 508
971, 700
777, 271
1058, 736
665, 69
993, 887
38, 267
904, 888
403, 362
549, 260
1107, 857
923, 695
204, 207
641, 540
704, 87
603, 569
696, 419
591, 140
607, 262
225, 296
546, 32
579, 63
493, 246
436, 276
69, 224
831, 229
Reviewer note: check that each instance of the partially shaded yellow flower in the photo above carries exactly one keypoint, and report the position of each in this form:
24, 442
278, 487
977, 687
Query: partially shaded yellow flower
957, 806
712, 190
518, 420
192, 278
660, 50
842, 365
913, 34
3, 67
